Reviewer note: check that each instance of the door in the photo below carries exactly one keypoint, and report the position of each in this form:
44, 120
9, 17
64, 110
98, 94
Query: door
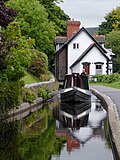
86, 66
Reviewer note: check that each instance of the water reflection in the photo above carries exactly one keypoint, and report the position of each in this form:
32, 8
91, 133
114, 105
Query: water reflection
57, 131
10, 139
84, 128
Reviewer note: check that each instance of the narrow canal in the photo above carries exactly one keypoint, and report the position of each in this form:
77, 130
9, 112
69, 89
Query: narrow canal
56, 133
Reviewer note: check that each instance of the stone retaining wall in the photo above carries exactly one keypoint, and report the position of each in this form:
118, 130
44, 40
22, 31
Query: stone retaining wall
113, 117
26, 108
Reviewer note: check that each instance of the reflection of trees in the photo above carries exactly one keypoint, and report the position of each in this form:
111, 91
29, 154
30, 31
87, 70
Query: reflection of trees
10, 139
38, 143
107, 133
43, 146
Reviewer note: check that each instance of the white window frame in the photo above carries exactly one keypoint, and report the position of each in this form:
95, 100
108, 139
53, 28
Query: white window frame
75, 45
99, 71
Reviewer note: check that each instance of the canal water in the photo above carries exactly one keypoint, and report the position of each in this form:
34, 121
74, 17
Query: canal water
56, 132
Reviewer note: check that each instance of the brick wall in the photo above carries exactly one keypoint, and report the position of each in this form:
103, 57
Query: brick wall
72, 28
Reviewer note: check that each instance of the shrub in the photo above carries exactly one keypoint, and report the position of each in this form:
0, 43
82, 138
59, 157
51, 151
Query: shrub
99, 78
45, 77
39, 64
115, 77
42, 93
10, 93
29, 96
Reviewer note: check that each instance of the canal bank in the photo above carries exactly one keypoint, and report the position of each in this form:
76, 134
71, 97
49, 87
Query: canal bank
94, 145
25, 108
111, 98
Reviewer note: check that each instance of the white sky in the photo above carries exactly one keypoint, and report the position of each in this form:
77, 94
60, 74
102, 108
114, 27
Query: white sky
89, 12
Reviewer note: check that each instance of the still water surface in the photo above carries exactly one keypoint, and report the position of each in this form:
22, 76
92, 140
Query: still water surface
58, 133
88, 137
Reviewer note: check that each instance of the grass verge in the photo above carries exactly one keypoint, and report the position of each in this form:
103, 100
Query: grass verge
112, 85
30, 78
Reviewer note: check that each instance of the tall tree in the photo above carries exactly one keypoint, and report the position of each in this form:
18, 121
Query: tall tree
56, 15
112, 22
34, 23
9, 94
16, 53
113, 42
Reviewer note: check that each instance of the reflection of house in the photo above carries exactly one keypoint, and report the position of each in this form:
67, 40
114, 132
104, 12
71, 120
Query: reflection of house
81, 50
72, 143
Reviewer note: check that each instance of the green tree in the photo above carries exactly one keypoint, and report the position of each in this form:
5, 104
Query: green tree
17, 51
9, 93
11, 70
16, 54
56, 15
113, 42
7, 14
39, 64
112, 22
34, 23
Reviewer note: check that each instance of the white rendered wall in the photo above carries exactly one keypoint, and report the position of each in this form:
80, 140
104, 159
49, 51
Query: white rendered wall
76, 69
93, 56
84, 42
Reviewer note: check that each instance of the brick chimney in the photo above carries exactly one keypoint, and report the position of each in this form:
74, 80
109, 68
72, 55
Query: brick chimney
72, 28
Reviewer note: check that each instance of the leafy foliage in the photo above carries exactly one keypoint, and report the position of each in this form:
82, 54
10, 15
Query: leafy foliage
41, 20
29, 96
56, 15
16, 52
113, 42
42, 93
112, 22
7, 14
111, 28
9, 95
51, 144
39, 64
34, 23
115, 77
10, 75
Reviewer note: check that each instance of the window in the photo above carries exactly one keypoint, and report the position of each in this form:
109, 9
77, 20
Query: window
75, 45
98, 69
98, 66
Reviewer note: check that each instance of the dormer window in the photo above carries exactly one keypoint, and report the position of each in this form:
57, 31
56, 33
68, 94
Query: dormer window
75, 45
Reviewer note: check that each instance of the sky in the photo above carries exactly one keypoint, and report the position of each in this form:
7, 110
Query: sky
89, 12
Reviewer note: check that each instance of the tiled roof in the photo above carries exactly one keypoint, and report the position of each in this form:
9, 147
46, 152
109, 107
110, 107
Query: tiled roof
82, 29
92, 30
60, 39
99, 38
